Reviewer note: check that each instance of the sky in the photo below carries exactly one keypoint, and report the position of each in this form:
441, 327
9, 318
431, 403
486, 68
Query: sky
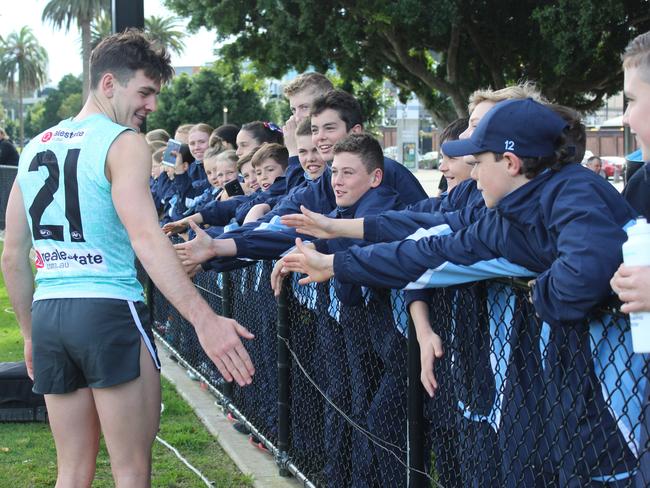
64, 48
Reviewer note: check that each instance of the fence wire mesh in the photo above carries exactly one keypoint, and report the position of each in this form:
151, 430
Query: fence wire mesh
519, 402
7, 177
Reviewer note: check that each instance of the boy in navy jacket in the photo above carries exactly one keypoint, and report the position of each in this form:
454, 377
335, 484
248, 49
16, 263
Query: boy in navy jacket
556, 219
333, 116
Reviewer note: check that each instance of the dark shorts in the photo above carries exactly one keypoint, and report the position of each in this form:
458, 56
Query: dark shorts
88, 342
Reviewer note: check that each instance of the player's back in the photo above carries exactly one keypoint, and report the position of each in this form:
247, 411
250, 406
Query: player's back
82, 248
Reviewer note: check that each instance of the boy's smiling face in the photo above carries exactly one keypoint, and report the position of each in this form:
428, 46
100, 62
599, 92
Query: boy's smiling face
351, 180
637, 91
327, 128
267, 172
310, 160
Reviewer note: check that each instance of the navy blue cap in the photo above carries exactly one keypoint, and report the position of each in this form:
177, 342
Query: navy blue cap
521, 126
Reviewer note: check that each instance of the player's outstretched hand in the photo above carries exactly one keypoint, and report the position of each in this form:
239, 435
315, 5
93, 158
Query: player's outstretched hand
220, 340
174, 227
318, 267
311, 223
430, 350
632, 285
196, 251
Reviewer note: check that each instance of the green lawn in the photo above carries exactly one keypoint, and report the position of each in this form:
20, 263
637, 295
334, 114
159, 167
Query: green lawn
28, 458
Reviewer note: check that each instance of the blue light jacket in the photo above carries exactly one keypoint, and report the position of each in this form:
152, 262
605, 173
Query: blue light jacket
566, 225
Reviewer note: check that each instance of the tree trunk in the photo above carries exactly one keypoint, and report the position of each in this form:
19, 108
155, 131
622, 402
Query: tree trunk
20, 107
85, 55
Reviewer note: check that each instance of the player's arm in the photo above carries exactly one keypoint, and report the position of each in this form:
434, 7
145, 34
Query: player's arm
127, 167
16, 268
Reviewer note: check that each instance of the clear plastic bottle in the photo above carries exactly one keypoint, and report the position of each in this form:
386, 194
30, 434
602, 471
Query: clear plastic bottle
636, 252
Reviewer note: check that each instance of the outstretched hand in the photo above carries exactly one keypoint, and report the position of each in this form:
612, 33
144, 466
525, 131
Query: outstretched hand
311, 223
220, 340
174, 227
196, 251
317, 266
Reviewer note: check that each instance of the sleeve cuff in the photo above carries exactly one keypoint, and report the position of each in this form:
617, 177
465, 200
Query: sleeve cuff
371, 228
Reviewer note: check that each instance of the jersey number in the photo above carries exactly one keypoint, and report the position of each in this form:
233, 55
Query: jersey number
45, 196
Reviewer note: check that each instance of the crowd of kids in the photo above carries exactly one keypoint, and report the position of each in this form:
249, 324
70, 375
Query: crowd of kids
319, 196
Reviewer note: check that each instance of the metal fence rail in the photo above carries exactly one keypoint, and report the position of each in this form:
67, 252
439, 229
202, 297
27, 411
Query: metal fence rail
337, 397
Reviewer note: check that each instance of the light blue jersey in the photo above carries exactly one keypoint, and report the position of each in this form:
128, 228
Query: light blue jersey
81, 247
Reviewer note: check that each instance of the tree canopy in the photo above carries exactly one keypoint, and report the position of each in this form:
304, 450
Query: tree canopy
23, 62
202, 97
441, 51
62, 13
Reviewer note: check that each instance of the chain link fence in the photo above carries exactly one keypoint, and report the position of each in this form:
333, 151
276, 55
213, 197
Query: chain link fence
7, 177
337, 397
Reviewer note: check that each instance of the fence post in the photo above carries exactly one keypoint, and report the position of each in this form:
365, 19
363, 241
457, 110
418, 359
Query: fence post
415, 414
284, 365
226, 309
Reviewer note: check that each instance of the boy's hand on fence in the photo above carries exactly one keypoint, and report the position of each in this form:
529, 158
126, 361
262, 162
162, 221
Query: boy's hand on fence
220, 339
632, 285
311, 223
277, 277
430, 350
318, 267
174, 227
196, 251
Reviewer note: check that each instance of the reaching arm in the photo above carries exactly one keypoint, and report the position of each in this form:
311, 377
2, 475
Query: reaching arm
318, 225
17, 270
127, 169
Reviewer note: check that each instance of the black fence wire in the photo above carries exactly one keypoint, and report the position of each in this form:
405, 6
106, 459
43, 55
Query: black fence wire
7, 177
337, 397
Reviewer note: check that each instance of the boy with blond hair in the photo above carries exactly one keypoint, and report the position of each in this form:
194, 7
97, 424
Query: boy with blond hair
632, 283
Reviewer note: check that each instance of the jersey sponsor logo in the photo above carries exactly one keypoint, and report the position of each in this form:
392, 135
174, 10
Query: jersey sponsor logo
38, 261
55, 259
68, 134
47, 136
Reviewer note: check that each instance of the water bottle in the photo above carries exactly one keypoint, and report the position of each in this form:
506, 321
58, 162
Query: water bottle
636, 252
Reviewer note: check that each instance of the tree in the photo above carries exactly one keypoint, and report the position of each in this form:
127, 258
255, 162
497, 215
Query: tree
160, 29
23, 61
201, 98
163, 30
440, 51
63, 12
59, 103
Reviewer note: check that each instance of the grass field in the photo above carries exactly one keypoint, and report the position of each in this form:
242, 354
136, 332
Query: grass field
28, 458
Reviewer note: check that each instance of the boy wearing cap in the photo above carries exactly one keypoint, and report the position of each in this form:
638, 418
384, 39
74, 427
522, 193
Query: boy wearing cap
542, 207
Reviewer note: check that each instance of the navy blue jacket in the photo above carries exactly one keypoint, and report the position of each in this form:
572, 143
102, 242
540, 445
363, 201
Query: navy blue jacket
463, 205
637, 191
269, 196
220, 213
565, 225
295, 174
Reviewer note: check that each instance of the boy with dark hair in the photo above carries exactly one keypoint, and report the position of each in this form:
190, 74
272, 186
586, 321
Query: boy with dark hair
526, 172
337, 114
81, 194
